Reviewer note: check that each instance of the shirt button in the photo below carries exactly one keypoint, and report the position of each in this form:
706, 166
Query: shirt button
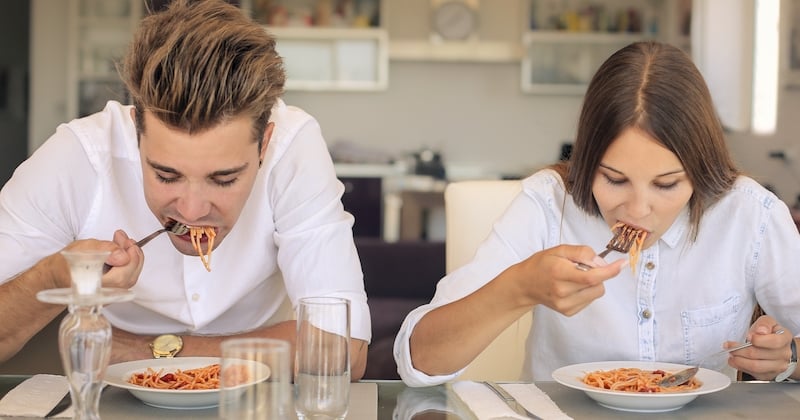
195, 297
650, 265
646, 314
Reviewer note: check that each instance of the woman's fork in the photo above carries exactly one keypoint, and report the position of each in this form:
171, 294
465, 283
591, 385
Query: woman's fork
623, 240
683, 376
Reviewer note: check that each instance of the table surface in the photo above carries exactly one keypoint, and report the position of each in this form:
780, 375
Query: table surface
741, 400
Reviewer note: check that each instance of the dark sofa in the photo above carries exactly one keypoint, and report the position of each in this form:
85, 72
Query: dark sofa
398, 277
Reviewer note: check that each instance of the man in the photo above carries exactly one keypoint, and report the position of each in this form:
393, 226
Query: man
207, 143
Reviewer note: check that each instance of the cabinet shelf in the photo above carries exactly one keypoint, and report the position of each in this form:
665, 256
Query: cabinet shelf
334, 58
560, 62
466, 51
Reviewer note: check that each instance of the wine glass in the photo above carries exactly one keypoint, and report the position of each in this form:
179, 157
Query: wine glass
84, 337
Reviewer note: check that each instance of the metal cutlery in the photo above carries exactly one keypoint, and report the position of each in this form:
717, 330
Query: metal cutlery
623, 240
62, 405
510, 401
683, 376
172, 226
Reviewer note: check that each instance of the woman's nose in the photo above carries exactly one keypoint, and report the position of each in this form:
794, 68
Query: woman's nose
638, 205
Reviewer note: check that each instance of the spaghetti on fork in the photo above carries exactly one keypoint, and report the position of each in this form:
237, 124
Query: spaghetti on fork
196, 234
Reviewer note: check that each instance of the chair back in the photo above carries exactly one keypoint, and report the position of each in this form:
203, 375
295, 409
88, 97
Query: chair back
471, 207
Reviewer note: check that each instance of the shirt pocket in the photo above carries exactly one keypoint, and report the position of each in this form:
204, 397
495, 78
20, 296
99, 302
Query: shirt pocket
705, 329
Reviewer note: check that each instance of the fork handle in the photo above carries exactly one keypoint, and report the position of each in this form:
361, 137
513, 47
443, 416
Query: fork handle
149, 237
140, 244
585, 267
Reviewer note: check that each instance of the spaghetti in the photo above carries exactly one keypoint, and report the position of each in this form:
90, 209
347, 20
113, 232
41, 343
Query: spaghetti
634, 236
196, 234
635, 380
206, 377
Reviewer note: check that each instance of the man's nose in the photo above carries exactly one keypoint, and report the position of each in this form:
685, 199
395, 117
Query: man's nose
193, 205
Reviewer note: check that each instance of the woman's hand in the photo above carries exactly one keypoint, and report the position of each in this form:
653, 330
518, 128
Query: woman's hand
550, 277
770, 353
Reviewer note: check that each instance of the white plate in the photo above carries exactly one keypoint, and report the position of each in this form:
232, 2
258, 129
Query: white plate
118, 374
572, 376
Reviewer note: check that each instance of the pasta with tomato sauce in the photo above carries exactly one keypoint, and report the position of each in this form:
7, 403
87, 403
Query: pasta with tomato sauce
206, 377
633, 235
196, 234
635, 380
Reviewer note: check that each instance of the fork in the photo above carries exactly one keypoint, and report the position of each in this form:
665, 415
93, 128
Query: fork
172, 226
683, 376
623, 239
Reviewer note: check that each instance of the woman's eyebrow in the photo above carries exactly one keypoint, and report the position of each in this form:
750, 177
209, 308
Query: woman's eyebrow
673, 172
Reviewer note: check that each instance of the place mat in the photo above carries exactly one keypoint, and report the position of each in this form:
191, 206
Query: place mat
35, 397
486, 405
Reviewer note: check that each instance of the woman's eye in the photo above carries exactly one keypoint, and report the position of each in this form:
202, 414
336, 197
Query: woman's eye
166, 180
614, 181
668, 186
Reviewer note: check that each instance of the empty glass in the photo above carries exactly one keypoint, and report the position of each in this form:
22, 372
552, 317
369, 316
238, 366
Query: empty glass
255, 379
322, 379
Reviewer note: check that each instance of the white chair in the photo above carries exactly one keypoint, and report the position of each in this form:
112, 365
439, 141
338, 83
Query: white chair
471, 207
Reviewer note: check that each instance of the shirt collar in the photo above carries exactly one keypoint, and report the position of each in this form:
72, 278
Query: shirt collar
678, 231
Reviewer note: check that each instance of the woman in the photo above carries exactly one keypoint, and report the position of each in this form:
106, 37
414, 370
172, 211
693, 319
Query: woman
650, 152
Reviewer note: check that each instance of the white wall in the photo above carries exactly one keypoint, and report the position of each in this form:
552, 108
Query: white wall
48, 93
475, 113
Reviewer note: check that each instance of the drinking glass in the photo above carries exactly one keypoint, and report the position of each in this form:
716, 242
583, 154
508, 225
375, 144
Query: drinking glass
255, 379
322, 379
84, 337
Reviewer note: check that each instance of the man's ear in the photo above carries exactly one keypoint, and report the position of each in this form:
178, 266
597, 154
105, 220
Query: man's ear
265, 142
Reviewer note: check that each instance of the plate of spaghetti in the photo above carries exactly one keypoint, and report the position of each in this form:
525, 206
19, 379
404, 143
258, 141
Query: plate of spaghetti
633, 386
177, 383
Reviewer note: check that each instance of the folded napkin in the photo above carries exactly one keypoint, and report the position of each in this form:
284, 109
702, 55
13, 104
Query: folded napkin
486, 405
35, 397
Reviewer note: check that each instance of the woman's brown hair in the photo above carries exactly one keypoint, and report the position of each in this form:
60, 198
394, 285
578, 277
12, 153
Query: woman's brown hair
656, 88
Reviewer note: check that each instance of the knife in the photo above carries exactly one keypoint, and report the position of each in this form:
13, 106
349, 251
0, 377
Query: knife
510, 400
61, 406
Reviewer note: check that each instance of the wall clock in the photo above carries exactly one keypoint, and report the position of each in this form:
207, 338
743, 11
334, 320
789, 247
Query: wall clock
454, 20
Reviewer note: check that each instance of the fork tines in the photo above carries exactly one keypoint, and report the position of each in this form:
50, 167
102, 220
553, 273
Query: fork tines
624, 238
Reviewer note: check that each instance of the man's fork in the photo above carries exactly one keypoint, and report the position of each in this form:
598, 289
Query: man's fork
173, 227
623, 240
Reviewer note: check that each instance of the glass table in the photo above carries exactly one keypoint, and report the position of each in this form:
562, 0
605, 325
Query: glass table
397, 401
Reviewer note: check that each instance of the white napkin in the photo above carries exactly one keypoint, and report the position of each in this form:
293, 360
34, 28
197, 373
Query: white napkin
486, 405
35, 397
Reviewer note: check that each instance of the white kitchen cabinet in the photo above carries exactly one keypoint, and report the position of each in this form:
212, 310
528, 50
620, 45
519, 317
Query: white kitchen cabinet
566, 44
334, 59
99, 34
316, 58
472, 31
328, 45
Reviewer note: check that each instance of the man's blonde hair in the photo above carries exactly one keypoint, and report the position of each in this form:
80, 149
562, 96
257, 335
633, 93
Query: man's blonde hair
201, 63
